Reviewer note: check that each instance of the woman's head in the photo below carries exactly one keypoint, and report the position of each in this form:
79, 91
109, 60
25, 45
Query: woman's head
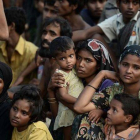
92, 56
5, 80
129, 65
26, 107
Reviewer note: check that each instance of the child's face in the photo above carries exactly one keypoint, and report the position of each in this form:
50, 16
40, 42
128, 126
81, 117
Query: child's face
128, 8
20, 114
66, 60
115, 115
129, 69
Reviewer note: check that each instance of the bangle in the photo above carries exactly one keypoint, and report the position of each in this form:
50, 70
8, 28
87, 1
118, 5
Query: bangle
92, 87
52, 102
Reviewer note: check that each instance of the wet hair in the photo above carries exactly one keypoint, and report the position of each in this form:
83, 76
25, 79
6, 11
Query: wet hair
130, 105
49, 2
65, 28
16, 15
80, 4
60, 44
32, 95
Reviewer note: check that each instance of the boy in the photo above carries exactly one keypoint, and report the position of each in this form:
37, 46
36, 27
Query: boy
124, 110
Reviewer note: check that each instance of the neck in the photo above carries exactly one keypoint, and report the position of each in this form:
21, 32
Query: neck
13, 41
76, 22
132, 89
88, 79
121, 128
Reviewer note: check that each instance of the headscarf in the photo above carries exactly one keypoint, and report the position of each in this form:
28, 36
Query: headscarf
133, 49
101, 54
6, 76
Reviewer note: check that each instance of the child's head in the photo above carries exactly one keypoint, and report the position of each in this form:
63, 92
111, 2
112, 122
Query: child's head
128, 8
26, 107
124, 110
62, 49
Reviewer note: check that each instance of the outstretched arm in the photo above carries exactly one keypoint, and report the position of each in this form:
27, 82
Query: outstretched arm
4, 34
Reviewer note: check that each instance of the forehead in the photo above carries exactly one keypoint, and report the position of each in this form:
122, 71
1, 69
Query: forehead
55, 27
67, 52
132, 59
49, 7
115, 103
22, 104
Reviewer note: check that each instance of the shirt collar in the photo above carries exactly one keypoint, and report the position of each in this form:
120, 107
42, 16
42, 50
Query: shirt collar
125, 134
120, 20
18, 47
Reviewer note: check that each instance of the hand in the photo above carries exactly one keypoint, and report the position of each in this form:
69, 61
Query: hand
38, 59
34, 82
95, 115
110, 75
18, 81
57, 80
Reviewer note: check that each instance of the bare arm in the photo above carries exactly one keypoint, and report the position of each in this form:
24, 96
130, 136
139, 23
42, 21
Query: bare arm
27, 71
64, 96
83, 103
86, 34
4, 34
137, 137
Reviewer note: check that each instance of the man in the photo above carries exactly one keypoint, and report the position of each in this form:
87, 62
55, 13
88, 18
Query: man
16, 51
93, 11
3, 25
70, 10
123, 26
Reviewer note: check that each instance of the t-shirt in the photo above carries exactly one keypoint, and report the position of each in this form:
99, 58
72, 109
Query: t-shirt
112, 26
35, 131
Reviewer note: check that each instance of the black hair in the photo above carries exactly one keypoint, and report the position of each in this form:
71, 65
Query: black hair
83, 45
49, 2
65, 28
60, 44
32, 95
130, 105
80, 4
16, 15
121, 0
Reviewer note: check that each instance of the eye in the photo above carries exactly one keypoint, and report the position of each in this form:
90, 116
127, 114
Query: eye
78, 58
63, 58
136, 67
88, 60
125, 64
53, 33
72, 55
135, 2
124, 1
24, 113
114, 110
15, 108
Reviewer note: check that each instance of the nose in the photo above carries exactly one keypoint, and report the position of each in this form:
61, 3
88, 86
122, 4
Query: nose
98, 4
109, 111
81, 63
129, 70
130, 5
68, 60
47, 37
47, 14
17, 114
56, 4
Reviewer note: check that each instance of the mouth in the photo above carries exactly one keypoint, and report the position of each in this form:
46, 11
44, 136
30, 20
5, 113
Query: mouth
80, 71
129, 13
98, 11
14, 121
45, 45
108, 119
70, 66
127, 77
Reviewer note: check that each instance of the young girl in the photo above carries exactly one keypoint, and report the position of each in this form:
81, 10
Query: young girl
62, 49
129, 74
26, 115
123, 112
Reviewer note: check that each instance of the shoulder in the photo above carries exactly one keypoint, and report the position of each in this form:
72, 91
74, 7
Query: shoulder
30, 46
40, 130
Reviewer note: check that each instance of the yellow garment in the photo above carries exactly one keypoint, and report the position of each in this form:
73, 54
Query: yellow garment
22, 56
66, 116
35, 131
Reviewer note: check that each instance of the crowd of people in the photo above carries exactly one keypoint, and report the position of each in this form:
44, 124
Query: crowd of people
74, 63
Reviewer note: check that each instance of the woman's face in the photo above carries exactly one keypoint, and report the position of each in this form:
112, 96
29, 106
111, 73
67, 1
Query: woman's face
86, 65
129, 69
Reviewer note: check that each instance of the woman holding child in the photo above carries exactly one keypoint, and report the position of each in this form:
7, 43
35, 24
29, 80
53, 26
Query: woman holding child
129, 77
92, 56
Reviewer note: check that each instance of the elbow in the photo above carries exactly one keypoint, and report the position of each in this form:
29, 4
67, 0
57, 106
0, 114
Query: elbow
78, 109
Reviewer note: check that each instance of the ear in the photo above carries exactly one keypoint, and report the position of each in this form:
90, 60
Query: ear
128, 119
1, 85
12, 26
74, 7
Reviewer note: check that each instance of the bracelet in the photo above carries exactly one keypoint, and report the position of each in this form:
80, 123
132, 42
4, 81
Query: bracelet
92, 87
52, 102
